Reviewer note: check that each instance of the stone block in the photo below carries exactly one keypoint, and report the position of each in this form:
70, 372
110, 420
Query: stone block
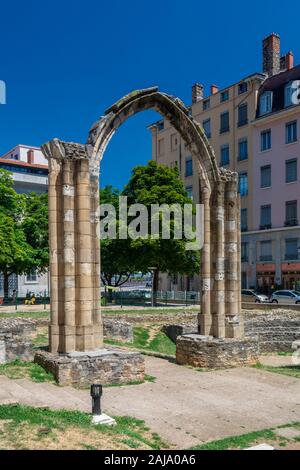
215, 353
105, 366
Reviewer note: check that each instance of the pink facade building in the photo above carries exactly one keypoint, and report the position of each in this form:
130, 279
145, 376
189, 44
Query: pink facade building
271, 247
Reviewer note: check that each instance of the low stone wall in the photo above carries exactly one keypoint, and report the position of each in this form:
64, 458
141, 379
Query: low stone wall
117, 330
215, 353
16, 336
276, 330
173, 330
161, 317
103, 366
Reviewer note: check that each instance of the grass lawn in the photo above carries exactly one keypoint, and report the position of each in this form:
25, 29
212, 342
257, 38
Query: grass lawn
292, 371
108, 311
243, 441
25, 370
23, 427
19, 313
149, 339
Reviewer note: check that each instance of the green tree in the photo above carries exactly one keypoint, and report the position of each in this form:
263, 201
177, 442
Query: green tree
117, 262
23, 231
158, 184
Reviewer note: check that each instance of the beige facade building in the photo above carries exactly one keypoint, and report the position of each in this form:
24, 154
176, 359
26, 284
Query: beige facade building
229, 119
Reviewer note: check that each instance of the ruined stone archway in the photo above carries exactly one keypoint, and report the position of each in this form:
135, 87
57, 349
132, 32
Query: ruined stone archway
74, 247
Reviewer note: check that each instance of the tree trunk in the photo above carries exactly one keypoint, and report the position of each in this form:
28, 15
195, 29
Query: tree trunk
155, 286
5, 285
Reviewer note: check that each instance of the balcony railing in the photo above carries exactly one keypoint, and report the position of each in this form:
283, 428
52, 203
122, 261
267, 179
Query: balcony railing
265, 226
291, 222
242, 122
265, 258
224, 129
292, 257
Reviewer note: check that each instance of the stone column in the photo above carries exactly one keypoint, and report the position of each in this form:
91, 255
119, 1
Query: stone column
75, 248
218, 292
232, 284
84, 268
55, 250
205, 319
96, 265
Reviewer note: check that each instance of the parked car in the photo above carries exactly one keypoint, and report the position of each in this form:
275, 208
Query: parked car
249, 295
285, 297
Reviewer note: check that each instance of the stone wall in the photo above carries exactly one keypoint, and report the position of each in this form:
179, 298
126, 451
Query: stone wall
117, 330
276, 330
215, 353
16, 339
105, 367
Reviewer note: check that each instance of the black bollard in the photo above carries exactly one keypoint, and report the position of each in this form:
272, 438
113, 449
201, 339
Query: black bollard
96, 393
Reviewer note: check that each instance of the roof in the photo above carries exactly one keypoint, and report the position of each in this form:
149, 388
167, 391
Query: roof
276, 85
281, 79
20, 163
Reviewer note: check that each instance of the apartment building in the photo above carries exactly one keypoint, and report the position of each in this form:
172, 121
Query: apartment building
231, 118
271, 250
29, 170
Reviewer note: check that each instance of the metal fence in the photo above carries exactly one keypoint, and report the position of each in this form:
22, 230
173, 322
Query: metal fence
144, 298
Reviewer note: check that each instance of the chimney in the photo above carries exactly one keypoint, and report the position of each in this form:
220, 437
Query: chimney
289, 60
30, 157
214, 89
197, 93
271, 54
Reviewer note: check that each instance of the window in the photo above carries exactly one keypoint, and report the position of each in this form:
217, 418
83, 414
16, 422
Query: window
224, 155
291, 93
174, 142
161, 146
160, 126
291, 249
265, 140
206, 104
266, 251
242, 88
31, 277
243, 184
189, 190
291, 132
24, 169
265, 217
224, 122
189, 166
224, 96
244, 220
206, 127
266, 102
265, 176
244, 251
291, 213
242, 115
291, 170
243, 149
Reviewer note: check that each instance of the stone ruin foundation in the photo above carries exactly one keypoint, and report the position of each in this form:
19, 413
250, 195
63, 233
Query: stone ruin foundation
84, 368
76, 323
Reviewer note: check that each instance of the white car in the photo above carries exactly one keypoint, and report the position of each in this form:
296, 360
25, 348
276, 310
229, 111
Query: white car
290, 297
249, 295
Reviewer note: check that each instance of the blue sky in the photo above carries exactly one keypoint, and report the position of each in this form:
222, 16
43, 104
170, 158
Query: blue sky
65, 62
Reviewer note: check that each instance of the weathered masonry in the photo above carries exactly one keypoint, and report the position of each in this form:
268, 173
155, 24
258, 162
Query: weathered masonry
74, 222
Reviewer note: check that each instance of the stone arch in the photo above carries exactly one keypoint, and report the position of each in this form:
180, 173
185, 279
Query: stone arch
74, 247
